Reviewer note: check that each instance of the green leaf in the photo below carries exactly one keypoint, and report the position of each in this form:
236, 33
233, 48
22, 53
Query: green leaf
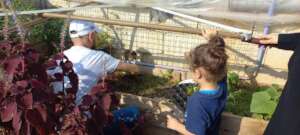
276, 86
262, 103
272, 92
257, 116
233, 78
267, 117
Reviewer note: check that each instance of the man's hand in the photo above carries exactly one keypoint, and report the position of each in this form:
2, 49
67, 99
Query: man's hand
271, 39
209, 33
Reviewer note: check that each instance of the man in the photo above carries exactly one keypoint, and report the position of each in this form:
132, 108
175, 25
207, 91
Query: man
286, 118
90, 65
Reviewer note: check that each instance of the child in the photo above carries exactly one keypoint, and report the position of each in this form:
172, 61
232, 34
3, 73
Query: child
204, 107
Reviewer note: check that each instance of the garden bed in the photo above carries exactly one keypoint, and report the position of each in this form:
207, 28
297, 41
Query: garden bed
157, 109
244, 99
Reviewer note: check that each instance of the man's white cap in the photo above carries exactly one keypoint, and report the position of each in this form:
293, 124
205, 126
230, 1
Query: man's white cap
80, 28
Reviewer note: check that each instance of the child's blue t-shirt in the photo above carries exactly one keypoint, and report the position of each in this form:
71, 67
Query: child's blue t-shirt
203, 111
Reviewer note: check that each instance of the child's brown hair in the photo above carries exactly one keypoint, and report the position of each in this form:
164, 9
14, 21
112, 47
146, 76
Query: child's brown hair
211, 57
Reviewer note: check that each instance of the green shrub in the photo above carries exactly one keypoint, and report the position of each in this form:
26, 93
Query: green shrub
43, 35
233, 81
103, 40
246, 100
46, 36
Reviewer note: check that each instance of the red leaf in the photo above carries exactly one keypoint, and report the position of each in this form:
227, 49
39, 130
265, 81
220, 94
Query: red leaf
19, 88
35, 119
106, 102
40, 91
42, 96
42, 110
23, 84
76, 111
37, 71
3, 89
58, 56
51, 63
32, 55
99, 116
71, 91
25, 128
86, 102
37, 84
16, 49
16, 123
58, 108
73, 80
8, 109
26, 101
5, 47
13, 66
67, 66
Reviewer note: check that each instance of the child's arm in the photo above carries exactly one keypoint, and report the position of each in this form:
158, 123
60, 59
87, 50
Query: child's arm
174, 124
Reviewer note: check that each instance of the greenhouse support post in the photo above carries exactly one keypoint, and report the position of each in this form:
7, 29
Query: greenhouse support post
262, 48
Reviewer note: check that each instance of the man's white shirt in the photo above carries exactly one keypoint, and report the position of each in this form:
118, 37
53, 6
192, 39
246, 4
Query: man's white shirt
90, 66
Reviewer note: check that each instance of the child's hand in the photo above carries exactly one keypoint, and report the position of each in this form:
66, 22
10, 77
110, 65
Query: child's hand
172, 123
209, 33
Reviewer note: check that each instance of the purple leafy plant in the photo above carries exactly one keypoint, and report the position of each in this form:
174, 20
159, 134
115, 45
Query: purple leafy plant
30, 105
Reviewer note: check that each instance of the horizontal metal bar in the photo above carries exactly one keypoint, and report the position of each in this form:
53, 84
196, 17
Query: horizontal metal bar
161, 66
55, 10
196, 19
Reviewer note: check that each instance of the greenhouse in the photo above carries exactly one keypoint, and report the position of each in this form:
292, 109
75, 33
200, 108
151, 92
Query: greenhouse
149, 67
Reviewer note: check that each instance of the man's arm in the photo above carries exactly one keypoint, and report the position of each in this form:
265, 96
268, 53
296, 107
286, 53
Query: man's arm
128, 67
112, 64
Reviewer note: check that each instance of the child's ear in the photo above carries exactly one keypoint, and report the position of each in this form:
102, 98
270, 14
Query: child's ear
198, 73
